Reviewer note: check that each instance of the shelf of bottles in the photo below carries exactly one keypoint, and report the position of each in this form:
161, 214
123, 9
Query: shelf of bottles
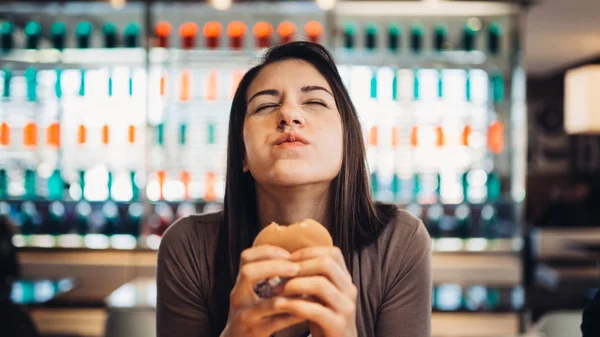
106, 141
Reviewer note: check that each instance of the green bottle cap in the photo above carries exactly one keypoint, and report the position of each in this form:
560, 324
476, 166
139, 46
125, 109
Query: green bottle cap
83, 33
7, 30
56, 186
131, 35
31, 80
110, 32
58, 35
7, 27
33, 31
394, 29
7, 79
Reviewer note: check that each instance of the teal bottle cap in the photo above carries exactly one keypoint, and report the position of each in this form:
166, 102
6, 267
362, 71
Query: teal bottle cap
6, 35
33, 28
7, 28
33, 31
83, 32
131, 35
110, 31
84, 28
394, 29
58, 35
350, 28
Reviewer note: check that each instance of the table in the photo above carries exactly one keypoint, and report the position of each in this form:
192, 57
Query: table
131, 309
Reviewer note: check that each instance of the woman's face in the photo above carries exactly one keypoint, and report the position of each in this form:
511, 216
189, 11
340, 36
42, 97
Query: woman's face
293, 129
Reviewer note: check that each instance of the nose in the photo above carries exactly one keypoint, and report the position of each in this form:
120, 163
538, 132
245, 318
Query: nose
290, 114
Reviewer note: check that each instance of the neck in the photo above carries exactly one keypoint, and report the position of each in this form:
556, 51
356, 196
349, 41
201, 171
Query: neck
288, 205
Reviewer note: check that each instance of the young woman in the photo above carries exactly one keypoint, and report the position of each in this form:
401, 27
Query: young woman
295, 151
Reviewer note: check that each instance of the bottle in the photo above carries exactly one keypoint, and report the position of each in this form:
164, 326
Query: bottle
488, 223
33, 32
433, 220
449, 297
394, 38
30, 220
382, 140
83, 211
133, 219
7, 30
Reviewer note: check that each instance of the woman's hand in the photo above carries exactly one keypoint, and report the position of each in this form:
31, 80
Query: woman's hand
250, 315
323, 275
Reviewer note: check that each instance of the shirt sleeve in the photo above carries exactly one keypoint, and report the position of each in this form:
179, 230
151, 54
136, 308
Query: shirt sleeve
406, 307
181, 307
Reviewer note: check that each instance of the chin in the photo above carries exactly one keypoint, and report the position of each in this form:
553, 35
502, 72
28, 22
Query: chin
295, 173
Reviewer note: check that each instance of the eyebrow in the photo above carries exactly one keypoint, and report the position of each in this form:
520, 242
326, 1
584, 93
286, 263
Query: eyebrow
314, 88
275, 92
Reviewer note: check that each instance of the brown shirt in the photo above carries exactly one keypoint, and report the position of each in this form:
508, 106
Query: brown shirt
393, 277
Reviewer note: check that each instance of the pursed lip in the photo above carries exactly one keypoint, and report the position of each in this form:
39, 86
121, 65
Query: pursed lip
290, 137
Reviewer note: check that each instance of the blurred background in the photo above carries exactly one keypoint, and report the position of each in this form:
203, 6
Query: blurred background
479, 117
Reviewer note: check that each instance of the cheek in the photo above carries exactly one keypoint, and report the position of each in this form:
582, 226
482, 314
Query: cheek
251, 137
333, 140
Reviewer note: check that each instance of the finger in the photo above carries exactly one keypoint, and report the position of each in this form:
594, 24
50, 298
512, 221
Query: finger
325, 318
325, 266
314, 252
321, 288
263, 252
278, 322
252, 273
261, 310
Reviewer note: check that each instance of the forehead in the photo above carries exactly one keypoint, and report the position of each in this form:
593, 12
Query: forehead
287, 74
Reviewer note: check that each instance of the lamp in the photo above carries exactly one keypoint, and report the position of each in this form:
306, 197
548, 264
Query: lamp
582, 100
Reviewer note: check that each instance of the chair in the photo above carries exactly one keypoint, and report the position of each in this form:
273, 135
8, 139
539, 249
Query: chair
564, 323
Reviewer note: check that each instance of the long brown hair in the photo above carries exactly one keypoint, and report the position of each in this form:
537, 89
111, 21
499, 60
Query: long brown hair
356, 220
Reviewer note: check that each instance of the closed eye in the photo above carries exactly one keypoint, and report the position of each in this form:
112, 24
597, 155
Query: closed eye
266, 106
316, 103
